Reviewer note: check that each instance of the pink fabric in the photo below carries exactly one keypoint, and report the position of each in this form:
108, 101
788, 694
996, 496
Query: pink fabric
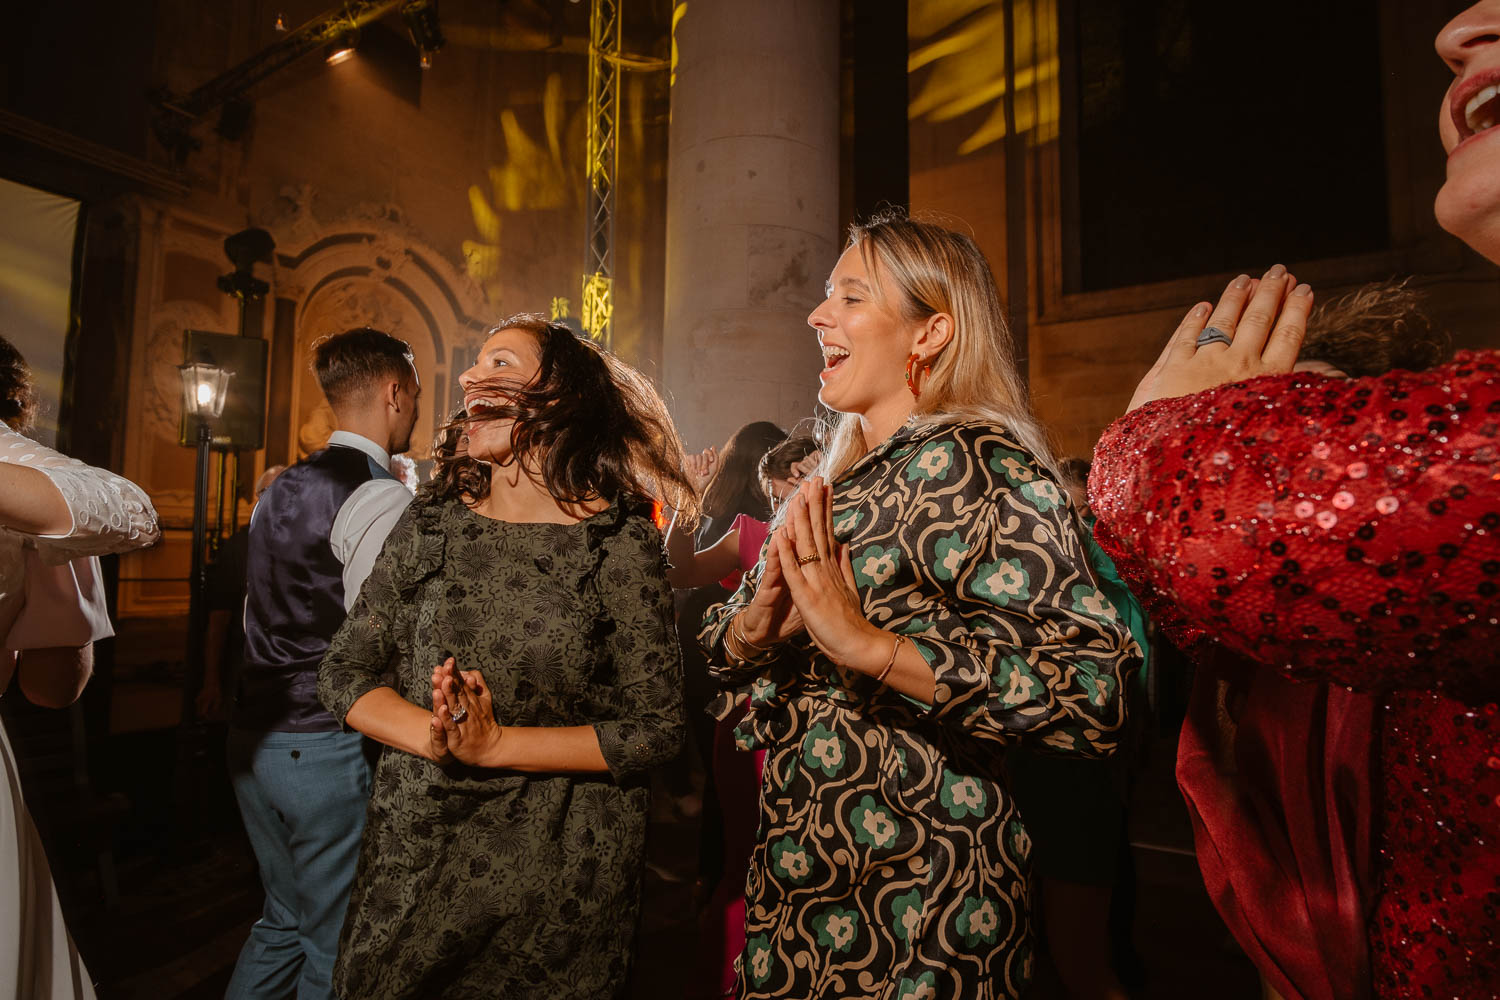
1279, 791
752, 535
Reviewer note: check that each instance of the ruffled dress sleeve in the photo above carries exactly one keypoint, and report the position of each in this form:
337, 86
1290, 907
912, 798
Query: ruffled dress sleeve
110, 513
1347, 529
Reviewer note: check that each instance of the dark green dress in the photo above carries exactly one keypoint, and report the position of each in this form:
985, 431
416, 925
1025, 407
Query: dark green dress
482, 883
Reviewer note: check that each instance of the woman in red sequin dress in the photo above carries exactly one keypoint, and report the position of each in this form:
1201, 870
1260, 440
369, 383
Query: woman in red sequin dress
1349, 530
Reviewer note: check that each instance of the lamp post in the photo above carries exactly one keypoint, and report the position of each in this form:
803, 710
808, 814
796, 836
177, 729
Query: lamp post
204, 387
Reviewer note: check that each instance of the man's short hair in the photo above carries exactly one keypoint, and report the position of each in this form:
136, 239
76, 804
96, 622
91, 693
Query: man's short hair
349, 363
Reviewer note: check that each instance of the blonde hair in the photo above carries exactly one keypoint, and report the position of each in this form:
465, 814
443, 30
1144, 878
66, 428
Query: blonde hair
936, 270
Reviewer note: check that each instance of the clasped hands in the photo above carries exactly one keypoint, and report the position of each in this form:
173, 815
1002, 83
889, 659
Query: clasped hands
463, 724
1264, 318
808, 585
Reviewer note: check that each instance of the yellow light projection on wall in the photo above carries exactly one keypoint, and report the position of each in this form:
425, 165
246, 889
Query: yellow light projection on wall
534, 176
678, 13
957, 66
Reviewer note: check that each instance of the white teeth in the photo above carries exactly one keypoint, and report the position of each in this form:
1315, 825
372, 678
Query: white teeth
1478, 101
829, 351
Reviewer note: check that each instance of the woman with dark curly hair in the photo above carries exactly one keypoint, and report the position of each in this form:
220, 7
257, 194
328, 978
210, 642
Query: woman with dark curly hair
503, 848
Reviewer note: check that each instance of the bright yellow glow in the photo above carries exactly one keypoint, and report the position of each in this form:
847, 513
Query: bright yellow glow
598, 304
560, 307
957, 66
205, 394
678, 13
340, 55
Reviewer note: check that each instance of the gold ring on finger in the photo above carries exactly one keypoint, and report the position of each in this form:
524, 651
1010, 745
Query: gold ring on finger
804, 560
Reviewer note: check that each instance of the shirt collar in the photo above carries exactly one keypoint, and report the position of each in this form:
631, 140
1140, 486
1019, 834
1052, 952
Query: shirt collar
349, 439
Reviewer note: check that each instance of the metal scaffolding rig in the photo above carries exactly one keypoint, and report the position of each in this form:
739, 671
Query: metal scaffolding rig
603, 163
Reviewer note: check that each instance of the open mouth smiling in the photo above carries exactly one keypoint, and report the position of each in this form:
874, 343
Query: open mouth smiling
1475, 106
833, 356
480, 406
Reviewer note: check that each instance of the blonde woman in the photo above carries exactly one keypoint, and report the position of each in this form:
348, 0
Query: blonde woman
924, 604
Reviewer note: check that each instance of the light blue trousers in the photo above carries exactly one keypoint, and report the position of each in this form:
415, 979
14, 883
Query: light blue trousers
302, 797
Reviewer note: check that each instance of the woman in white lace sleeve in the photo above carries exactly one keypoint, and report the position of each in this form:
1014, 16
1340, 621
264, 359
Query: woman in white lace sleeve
57, 515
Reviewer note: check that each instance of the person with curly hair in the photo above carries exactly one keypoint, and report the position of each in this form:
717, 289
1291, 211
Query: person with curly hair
514, 648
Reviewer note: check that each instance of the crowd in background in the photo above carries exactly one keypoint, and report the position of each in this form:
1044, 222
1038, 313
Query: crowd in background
907, 644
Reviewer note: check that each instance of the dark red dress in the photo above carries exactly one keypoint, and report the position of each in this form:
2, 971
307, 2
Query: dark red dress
1349, 531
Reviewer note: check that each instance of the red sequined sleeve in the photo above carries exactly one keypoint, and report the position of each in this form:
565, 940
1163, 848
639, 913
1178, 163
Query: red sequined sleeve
1343, 528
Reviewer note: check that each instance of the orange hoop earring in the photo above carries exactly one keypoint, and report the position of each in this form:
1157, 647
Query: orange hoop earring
912, 377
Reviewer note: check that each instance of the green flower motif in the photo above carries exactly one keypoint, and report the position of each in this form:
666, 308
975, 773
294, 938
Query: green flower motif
790, 859
1014, 675
924, 987
963, 795
1091, 601
1042, 494
758, 951
823, 750
1015, 467
836, 928
906, 911
875, 565
1017, 840
873, 825
933, 462
951, 551
762, 691
979, 921
845, 523
1002, 581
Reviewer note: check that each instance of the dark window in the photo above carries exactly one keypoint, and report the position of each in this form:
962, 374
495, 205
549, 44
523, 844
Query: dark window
1208, 136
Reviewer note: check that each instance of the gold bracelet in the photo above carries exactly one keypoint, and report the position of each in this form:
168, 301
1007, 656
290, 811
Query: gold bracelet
880, 677
740, 637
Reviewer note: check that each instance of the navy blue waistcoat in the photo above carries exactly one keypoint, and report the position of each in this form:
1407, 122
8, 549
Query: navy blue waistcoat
294, 591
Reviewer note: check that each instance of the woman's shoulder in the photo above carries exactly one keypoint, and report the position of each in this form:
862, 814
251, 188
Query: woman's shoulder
985, 452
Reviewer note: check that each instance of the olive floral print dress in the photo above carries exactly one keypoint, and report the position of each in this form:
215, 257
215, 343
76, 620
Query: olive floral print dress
481, 883
891, 860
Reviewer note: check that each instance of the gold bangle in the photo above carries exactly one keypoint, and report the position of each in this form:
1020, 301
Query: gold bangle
740, 637
880, 677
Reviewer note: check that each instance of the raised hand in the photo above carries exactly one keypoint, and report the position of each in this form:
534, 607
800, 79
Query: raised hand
437, 732
771, 617
700, 468
1264, 322
821, 580
804, 467
470, 731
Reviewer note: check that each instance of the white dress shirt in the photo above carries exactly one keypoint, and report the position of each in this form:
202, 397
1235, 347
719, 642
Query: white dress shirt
366, 517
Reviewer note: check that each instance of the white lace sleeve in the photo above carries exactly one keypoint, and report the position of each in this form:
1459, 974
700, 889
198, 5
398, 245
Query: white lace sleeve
110, 513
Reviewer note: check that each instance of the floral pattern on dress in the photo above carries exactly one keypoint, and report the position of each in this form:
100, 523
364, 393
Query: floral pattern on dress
475, 883
889, 863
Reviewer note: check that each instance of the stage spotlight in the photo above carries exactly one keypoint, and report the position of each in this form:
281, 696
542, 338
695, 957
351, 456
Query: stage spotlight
421, 17
341, 48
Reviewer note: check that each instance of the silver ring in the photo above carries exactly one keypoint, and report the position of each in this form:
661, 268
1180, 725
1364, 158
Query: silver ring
460, 715
1213, 335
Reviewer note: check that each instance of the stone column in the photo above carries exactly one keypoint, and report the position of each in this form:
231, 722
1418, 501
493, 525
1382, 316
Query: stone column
752, 210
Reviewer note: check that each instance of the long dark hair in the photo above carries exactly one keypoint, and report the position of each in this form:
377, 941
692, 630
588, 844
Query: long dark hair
736, 487
589, 424
18, 399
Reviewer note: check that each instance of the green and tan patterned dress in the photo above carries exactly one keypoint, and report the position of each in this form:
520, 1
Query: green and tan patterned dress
891, 861
477, 883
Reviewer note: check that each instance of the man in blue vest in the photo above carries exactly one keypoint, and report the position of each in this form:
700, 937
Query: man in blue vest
301, 782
